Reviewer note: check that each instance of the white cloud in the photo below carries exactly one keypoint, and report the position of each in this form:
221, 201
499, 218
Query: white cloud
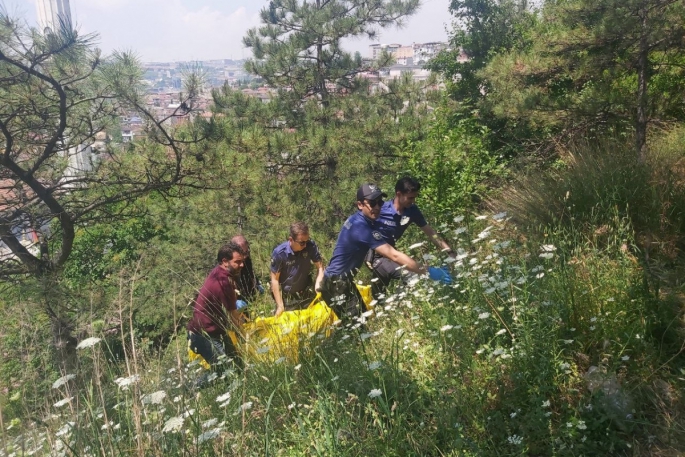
166, 30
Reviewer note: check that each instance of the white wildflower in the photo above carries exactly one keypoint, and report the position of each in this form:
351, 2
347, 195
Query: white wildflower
548, 248
208, 435
446, 328
481, 218
154, 398
545, 404
224, 397
515, 440
374, 365
375, 393
568, 341
66, 429
88, 343
565, 366
546, 255
500, 216
501, 332
581, 425
245, 406
458, 219
625, 358
63, 380
416, 245
365, 336
512, 415
210, 423
124, 383
483, 315
63, 402
460, 230
594, 319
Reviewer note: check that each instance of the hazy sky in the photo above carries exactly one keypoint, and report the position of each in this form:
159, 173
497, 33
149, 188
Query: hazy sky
168, 30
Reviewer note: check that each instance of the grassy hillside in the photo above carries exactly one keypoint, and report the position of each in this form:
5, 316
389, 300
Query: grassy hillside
545, 348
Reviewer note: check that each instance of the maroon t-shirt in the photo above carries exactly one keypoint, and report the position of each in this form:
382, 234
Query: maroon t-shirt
213, 304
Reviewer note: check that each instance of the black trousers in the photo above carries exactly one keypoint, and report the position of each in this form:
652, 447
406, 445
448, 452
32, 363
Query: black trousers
385, 270
298, 300
211, 348
342, 295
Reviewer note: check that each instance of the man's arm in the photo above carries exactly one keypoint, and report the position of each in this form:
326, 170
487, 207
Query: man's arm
436, 240
319, 275
400, 257
237, 319
276, 290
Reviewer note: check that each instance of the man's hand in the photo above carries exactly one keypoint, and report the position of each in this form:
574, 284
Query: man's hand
317, 286
279, 311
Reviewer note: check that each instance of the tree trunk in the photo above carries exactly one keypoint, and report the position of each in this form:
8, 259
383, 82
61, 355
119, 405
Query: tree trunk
642, 118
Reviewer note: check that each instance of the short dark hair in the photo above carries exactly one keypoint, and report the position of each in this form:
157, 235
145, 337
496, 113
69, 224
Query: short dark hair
407, 184
226, 251
298, 228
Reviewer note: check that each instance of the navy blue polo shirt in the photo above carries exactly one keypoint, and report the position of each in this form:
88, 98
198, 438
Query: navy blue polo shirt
393, 224
294, 267
357, 236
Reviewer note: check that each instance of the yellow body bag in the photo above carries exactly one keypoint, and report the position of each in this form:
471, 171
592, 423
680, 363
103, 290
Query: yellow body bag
267, 339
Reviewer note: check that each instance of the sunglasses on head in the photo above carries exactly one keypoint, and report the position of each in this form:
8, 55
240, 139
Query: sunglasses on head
376, 202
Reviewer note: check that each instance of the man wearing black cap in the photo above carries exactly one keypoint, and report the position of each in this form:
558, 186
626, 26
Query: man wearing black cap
359, 233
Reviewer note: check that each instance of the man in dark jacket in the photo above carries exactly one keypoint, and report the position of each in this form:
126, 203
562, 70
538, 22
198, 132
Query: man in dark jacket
248, 283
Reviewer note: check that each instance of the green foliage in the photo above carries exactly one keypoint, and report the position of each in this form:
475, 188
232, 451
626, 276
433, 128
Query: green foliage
452, 164
592, 68
483, 30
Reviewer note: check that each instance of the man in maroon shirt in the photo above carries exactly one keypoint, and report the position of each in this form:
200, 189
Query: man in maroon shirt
215, 311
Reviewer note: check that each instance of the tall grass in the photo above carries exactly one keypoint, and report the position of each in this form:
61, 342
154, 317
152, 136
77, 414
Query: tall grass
596, 185
534, 350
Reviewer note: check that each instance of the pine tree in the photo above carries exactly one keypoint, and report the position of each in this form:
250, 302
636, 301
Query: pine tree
298, 47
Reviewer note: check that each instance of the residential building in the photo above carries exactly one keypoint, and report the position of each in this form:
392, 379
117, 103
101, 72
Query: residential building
52, 13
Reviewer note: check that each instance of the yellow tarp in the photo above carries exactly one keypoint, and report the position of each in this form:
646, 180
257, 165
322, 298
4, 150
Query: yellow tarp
269, 338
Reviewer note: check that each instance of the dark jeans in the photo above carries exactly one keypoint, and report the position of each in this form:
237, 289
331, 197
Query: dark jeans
342, 295
385, 270
212, 348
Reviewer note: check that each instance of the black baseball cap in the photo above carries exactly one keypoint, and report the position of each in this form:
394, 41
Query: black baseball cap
369, 191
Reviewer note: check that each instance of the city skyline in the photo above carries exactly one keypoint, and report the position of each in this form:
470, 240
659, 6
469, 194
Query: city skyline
182, 30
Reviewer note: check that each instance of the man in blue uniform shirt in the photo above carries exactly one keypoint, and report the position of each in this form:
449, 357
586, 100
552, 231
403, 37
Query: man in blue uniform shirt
395, 217
359, 233
291, 263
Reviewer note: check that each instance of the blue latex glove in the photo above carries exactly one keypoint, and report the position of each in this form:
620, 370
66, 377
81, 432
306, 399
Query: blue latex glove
440, 274
240, 304
260, 288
